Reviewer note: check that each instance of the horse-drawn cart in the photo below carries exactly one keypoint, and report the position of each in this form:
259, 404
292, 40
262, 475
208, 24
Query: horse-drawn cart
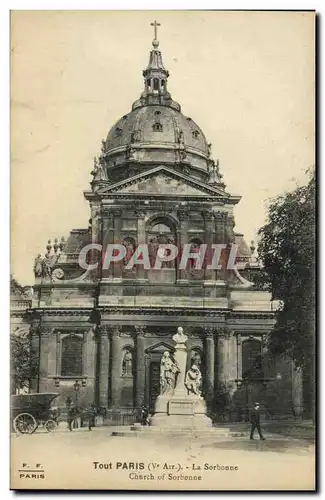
31, 410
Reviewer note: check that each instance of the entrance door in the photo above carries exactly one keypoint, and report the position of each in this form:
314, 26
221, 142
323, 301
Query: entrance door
154, 383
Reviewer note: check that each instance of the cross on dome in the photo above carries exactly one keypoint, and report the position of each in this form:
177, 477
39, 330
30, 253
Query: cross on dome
155, 42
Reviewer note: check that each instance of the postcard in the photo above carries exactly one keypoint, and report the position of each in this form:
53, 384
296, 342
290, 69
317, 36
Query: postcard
163, 250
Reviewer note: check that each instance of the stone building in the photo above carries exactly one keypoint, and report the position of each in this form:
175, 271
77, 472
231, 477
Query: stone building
100, 333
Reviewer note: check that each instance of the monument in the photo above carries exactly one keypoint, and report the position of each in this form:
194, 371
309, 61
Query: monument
180, 403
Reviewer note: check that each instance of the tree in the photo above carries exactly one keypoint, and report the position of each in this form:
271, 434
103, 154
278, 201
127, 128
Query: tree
287, 250
24, 364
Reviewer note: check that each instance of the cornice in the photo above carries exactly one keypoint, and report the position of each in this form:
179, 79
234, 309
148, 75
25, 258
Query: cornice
157, 311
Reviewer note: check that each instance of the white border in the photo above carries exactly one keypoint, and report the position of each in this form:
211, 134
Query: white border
4, 148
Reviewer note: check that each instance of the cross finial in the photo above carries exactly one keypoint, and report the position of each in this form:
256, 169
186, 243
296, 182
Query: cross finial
155, 42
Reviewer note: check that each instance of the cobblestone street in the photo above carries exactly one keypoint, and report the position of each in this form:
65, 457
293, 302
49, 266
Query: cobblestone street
74, 458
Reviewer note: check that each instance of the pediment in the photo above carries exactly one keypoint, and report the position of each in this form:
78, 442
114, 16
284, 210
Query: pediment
159, 348
163, 181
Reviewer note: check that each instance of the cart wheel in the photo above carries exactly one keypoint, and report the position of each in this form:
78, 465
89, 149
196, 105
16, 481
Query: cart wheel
50, 425
25, 423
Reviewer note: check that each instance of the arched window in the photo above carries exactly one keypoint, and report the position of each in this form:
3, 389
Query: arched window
161, 231
155, 84
157, 127
72, 356
252, 359
160, 228
195, 134
118, 132
195, 249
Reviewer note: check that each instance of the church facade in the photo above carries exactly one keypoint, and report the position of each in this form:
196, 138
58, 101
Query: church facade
100, 332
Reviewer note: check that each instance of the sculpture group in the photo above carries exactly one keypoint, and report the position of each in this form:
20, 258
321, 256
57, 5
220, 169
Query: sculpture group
170, 370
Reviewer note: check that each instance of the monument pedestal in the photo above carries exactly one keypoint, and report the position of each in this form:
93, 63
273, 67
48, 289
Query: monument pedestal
181, 411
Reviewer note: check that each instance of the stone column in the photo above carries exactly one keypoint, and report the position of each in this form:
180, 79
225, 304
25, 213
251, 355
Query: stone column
182, 236
239, 357
117, 266
104, 351
43, 355
229, 225
96, 236
220, 238
107, 238
142, 273
221, 362
140, 366
116, 367
297, 391
35, 348
209, 239
210, 361
227, 356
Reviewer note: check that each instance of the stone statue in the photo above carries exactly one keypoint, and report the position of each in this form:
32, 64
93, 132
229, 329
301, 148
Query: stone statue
127, 363
168, 372
196, 359
180, 337
129, 245
213, 174
193, 380
98, 172
47, 266
38, 266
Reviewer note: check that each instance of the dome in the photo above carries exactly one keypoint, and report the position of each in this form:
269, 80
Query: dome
156, 132
159, 126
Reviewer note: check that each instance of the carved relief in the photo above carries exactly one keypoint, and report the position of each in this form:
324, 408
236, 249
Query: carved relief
140, 330
224, 333
209, 332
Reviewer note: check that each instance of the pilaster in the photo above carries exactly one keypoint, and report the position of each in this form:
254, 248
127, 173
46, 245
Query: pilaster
141, 272
116, 366
210, 363
104, 362
209, 239
182, 238
140, 366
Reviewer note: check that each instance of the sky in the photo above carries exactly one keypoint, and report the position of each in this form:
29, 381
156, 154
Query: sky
246, 78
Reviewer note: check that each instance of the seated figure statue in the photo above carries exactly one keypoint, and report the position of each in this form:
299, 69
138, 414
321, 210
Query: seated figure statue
193, 380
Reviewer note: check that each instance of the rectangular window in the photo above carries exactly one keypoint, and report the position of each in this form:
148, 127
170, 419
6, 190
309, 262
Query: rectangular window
72, 356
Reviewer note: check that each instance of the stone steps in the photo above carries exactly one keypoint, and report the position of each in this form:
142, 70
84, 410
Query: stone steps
180, 432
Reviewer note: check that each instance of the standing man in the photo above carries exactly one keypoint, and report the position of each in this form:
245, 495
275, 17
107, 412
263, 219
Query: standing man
255, 421
144, 415
71, 415
92, 416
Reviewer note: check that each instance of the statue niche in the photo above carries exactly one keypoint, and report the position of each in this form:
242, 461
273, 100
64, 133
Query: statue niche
196, 358
127, 363
130, 246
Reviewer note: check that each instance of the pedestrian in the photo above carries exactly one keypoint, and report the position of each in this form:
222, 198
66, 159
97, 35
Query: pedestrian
71, 415
255, 421
144, 415
92, 416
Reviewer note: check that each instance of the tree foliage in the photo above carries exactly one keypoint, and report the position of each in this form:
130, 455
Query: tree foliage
24, 364
287, 250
